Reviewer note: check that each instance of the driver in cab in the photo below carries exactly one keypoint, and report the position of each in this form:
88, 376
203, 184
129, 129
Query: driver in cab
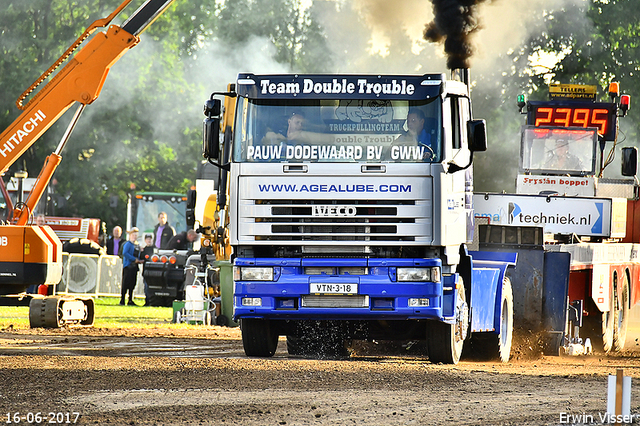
295, 124
416, 133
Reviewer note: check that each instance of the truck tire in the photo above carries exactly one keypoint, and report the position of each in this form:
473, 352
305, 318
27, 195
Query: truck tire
492, 346
621, 317
446, 341
609, 320
258, 337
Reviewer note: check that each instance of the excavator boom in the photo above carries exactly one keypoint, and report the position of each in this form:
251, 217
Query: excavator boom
32, 255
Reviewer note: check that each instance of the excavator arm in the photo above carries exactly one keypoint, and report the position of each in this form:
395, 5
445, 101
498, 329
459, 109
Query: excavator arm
79, 81
32, 255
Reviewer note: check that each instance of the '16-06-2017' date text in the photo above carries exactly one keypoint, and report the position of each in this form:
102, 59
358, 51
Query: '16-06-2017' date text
42, 418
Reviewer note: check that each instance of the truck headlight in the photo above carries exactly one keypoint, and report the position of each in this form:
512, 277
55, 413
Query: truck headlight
419, 274
251, 301
252, 273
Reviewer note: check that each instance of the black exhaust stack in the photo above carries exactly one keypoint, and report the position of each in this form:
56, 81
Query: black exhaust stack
453, 24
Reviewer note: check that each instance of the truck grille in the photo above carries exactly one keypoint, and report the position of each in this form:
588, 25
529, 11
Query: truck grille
289, 210
372, 221
356, 301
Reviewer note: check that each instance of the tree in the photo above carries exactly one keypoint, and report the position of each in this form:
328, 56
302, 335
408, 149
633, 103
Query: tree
596, 42
144, 130
299, 40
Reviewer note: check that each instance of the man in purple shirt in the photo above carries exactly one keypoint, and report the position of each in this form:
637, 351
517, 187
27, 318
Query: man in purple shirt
115, 242
163, 232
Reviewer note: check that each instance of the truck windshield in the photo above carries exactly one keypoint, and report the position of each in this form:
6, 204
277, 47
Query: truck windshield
558, 151
338, 131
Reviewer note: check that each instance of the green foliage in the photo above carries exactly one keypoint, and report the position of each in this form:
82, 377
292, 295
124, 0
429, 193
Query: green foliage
144, 131
597, 42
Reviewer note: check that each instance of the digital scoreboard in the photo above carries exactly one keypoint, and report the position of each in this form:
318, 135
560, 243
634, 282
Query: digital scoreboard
600, 115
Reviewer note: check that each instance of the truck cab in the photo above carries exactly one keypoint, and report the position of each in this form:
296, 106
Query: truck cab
350, 207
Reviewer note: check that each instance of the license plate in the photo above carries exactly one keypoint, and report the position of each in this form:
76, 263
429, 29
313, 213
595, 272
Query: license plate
333, 288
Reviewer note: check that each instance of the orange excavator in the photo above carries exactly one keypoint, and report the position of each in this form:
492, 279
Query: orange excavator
31, 254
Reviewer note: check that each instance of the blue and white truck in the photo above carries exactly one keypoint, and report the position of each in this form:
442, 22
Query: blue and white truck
350, 211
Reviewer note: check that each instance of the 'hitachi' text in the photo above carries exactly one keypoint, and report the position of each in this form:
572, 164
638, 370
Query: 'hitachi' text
336, 86
28, 127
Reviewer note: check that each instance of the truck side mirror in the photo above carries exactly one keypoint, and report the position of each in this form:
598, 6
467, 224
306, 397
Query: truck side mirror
191, 208
211, 131
629, 161
211, 138
477, 130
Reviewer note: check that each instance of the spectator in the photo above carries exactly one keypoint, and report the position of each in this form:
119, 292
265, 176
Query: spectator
163, 232
115, 242
130, 261
40, 220
183, 240
147, 251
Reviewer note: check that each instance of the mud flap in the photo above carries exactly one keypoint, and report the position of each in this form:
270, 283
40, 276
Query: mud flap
489, 269
555, 298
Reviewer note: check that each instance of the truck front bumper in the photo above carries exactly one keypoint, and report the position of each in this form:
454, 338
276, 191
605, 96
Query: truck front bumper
375, 294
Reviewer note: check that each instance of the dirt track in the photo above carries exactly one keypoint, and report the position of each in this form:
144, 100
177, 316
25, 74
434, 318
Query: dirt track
169, 377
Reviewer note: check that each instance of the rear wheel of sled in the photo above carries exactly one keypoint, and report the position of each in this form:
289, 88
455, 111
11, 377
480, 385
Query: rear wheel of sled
622, 316
258, 337
492, 346
222, 320
445, 341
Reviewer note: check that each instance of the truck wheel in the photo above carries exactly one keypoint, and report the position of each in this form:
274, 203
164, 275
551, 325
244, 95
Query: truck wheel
258, 337
492, 346
621, 317
608, 325
445, 341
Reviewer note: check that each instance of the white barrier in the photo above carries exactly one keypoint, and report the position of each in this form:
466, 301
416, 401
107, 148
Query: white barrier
94, 275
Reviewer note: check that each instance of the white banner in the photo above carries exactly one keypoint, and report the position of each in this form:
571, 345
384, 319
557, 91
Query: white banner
558, 215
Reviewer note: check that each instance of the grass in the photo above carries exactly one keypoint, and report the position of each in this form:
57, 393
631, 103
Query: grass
109, 314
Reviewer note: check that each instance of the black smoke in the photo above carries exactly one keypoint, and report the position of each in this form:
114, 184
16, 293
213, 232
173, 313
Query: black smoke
454, 22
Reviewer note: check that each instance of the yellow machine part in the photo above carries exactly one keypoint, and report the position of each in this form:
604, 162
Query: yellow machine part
211, 219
